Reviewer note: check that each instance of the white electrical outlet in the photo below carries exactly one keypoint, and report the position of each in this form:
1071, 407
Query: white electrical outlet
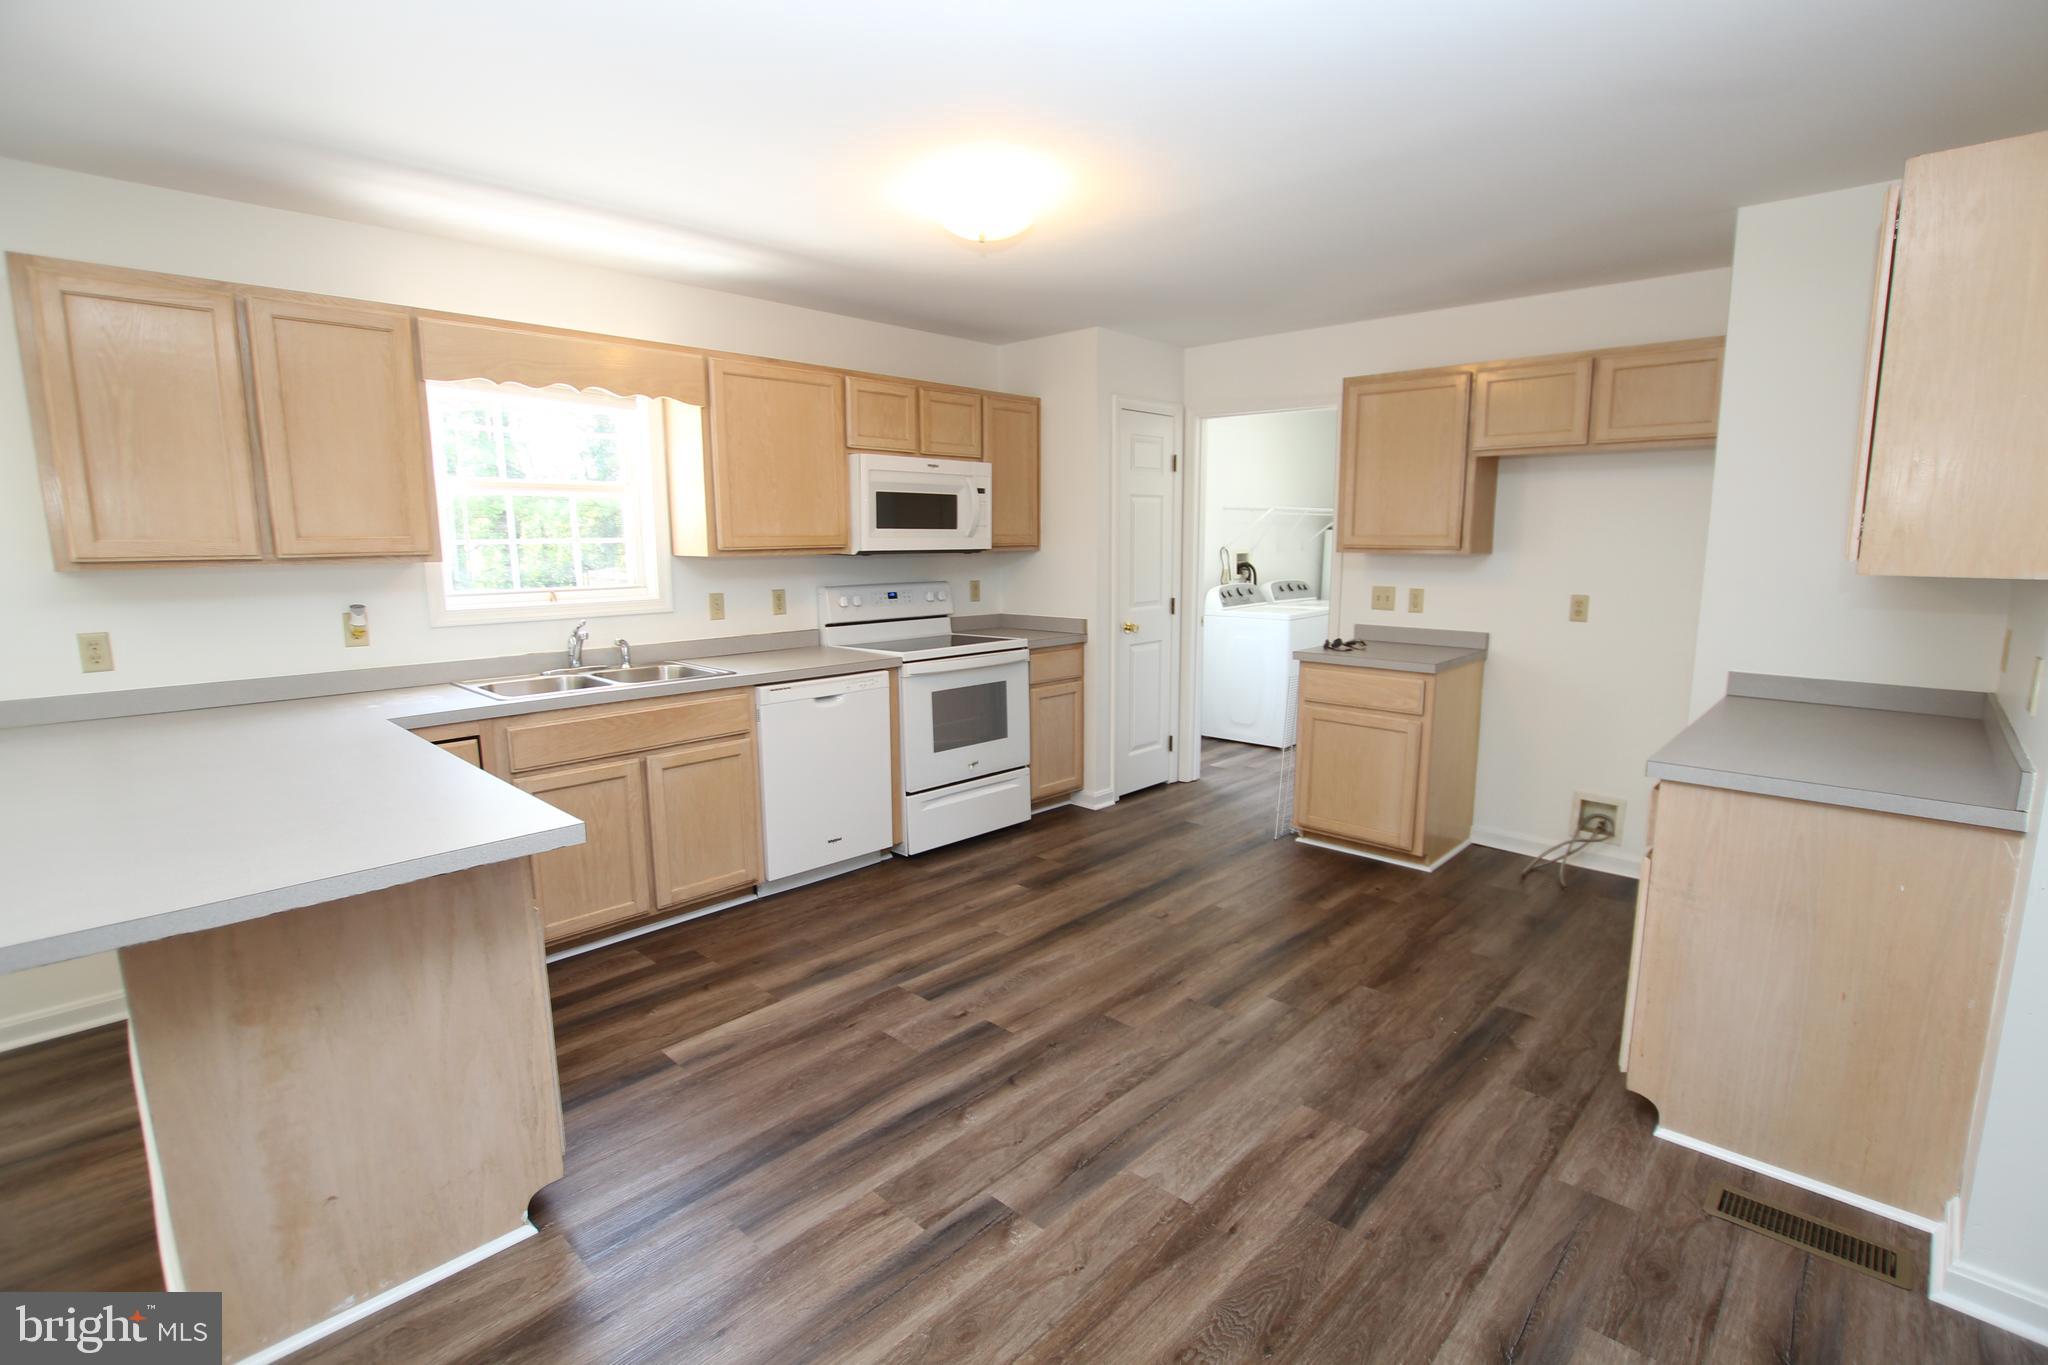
974, 589
96, 653
355, 625
1415, 599
718, 606
778, 602
1582, 607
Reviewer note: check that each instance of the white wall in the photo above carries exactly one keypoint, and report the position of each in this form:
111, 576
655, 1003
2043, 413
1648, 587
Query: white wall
2002, 1253
1567, 708
1267, 459
209, 623
1780, 594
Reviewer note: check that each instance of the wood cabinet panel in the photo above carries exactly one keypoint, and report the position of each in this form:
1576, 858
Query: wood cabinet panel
1373, 689
1055, 665
1958, 462
469, 749
342, 429
948, 422
704, 814
1357, 775
135, 387
1010, 429
571, 736
1405, 480
881, 414
606, 878
1814, 986
1530, 407
778, 457
1656, 394
1057, 750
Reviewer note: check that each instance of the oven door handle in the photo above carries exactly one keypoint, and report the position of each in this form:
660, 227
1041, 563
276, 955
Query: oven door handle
962, 662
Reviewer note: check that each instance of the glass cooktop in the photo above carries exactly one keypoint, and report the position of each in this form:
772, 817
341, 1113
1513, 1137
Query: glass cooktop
925, 642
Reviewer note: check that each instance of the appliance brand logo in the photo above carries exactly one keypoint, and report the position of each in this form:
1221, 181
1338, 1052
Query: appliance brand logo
169, 1328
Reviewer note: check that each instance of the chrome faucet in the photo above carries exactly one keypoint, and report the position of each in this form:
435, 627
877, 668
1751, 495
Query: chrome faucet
576, 639
625, 652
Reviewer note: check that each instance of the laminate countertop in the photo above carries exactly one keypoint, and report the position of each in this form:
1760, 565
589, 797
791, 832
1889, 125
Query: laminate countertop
1404, 649
1938, 755
137, 827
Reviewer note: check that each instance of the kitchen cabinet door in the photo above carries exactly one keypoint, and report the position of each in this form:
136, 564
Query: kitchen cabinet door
778, 457
1009, 426
1532, 407
1358, 775
605, 879
1956, 466
1056, 739
1406, 480
704, 808
1654, 394
881, 414
141, 423
342, 428
949, 422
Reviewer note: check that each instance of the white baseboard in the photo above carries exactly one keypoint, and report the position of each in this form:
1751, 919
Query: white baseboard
1986, 1295
298, 1341
1619, 859
54, 1021
1413, 864
1095, 800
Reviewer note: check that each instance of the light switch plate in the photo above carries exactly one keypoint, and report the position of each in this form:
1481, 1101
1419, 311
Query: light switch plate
718, 606
1415, 599
95, 653
1382, 597
778, 602
1582, 606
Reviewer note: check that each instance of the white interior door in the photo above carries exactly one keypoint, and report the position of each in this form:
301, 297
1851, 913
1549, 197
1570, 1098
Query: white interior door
1147, 551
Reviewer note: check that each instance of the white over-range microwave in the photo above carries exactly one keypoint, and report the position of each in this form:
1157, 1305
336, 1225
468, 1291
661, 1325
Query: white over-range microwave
914, 502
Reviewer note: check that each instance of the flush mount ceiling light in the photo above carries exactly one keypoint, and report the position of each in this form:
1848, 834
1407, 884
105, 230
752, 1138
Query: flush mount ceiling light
984, 193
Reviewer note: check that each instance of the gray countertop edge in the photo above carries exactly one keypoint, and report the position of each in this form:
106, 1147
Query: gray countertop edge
1891, 803
1389, 664
1423, 635
1453, 649
240, 909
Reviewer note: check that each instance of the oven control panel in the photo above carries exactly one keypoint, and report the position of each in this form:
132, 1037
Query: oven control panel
857, 602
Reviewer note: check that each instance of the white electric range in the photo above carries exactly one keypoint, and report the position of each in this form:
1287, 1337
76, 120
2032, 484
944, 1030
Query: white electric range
964, 708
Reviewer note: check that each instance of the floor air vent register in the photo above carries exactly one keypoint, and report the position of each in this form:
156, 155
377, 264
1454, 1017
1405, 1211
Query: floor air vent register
1816, 1238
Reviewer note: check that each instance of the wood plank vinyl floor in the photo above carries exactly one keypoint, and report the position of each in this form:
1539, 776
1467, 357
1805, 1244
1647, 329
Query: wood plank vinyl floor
1123, 1086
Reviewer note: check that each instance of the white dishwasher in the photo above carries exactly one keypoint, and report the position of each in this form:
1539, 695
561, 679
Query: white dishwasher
826, 786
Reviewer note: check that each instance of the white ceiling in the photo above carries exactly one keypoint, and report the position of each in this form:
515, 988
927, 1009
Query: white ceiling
1241, 167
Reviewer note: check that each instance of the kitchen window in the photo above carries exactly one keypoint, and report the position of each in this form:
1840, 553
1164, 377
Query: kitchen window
550, 502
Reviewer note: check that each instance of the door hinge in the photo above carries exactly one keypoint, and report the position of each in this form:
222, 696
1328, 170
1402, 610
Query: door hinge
1175, 469
1169, 744
1172, 605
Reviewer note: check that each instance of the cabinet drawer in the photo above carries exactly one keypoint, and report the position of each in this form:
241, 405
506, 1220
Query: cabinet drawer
629, 727
1055, 665
1339, 685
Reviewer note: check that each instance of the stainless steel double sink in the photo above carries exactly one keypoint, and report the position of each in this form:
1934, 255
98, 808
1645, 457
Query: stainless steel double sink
587, 679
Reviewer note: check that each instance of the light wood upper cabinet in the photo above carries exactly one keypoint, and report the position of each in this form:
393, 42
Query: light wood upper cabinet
778, 457
1651, 394
1531, 407
342, 430
1955, 480
141, 423
881, 414
949, 422
1009, 426
605, 879
704, 810
1406, 479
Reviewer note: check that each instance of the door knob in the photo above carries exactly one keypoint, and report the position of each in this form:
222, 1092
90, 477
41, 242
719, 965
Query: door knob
1130, 627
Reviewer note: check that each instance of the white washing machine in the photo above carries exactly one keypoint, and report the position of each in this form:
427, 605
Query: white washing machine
1249, 635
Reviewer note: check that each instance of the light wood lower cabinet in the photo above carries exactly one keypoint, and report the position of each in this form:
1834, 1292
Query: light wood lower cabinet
1387, 760
605, 879
669, 795
1058, 706
1812, 986
704, 808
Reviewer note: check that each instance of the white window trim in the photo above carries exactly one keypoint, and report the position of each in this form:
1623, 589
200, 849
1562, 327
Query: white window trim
595, 603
